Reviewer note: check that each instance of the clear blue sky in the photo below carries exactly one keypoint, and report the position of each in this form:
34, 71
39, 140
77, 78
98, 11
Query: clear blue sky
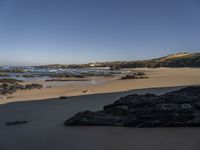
79, 31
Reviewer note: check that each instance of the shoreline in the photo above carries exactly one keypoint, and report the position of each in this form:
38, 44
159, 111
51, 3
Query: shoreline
162, 77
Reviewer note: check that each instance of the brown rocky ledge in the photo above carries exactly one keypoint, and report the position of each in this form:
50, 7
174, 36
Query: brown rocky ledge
179, 108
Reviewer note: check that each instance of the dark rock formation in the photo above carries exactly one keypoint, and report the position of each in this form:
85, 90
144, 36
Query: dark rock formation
7, 88
32, 86
61, 80
11, 87
174, 109
64, 75
4, 75
16, 123
138, 75
9, 80
63, 97
115, 68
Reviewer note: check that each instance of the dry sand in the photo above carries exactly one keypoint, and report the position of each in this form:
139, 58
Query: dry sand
160, 77
45, 130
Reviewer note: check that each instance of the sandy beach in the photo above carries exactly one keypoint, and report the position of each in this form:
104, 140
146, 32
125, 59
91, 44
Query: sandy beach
99, 75
160, 77
45, 128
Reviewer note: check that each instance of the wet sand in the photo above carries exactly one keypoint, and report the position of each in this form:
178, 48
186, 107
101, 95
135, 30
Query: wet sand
45, 130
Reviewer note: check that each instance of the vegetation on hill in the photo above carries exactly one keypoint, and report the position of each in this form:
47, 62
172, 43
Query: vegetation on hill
173, 60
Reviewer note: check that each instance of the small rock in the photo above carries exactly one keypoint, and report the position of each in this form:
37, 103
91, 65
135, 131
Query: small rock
62, 97
16, 123
86, 91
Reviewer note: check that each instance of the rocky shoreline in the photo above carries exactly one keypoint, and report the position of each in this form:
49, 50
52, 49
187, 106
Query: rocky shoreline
9, 86
179, 108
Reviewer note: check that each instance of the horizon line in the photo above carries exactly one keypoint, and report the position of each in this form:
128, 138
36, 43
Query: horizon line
48, 64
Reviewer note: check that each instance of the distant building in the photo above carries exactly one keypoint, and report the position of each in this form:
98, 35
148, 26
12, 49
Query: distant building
92, 65
95, 65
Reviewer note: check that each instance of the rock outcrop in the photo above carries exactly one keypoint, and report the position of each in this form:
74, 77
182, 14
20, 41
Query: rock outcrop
138, 75
179, 108
9, 80
32, 86
7, 88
